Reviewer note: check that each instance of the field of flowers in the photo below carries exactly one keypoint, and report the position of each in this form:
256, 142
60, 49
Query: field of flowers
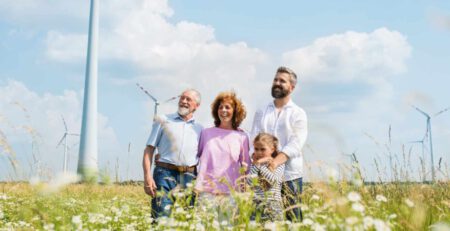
327, 206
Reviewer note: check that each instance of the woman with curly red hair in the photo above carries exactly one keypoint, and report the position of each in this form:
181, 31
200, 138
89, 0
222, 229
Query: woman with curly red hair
223, 149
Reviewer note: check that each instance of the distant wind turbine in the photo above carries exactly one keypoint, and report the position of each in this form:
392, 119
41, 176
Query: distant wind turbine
433, 175
422, 142
157, 103
64, 138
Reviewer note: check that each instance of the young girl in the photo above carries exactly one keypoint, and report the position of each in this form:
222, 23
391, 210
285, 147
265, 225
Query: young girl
267, 185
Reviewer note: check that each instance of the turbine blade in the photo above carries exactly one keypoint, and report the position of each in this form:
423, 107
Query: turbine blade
147, 93
64, 121
418, 109
442, 111
170, 99
59, 143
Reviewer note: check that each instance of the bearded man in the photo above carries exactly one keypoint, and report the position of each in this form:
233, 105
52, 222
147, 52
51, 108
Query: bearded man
176, 136
285, 120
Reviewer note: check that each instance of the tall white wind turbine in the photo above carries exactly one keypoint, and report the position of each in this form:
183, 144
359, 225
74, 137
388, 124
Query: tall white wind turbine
433, 175
64, 139
87, 162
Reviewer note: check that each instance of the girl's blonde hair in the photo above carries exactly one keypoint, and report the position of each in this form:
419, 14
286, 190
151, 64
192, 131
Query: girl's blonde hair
268, 139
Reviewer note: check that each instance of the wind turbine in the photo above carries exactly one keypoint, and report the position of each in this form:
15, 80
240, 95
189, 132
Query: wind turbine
64, 138
422, 142
87, 160
157, 103
433, 175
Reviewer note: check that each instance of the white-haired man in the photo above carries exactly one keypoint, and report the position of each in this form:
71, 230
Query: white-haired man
176, 137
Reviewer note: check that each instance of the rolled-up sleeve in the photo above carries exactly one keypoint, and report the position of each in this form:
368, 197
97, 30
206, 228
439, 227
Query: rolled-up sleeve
256, 129
155, 135
297, 136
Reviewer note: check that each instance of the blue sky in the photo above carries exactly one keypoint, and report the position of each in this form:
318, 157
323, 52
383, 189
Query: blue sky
361, 64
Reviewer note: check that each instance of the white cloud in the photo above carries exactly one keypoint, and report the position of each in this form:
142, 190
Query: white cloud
351, 56
66, 47
28, 116
171, 55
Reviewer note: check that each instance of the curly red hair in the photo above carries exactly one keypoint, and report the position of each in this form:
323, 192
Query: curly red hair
239, 112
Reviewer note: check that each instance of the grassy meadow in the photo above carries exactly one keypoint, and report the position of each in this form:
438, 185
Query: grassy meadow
327, 206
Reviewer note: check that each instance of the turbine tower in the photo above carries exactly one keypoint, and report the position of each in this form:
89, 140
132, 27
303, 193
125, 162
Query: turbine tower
422, 142
433, 175
157, 103
87, 162
64, 138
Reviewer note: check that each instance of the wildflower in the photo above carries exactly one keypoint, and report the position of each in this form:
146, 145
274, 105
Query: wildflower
4, 197
179, 210
224, 223
307, 222
315, 197
367, 222
318, 227
409, 203
381, 198
354, 197
441, 226
50, 226
270, 226
179, 194
392, 216
76, 220
380, 225
167, 207
351, 220
253, 224
62, 180
215, 224
199, 226
358, 207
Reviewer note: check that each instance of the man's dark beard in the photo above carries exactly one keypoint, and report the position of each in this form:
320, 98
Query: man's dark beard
281, 93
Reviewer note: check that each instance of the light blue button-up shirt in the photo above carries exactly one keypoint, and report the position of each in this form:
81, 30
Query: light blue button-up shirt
176, 139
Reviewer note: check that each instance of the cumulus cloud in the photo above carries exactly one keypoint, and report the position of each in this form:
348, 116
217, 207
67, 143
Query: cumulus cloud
172, 55
33, 126
352, 56
346, 80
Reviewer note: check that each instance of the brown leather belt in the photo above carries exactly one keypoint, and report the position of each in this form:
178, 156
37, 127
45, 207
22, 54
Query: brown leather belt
181, 169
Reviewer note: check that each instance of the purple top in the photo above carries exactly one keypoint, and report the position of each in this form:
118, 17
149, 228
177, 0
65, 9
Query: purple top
222, 153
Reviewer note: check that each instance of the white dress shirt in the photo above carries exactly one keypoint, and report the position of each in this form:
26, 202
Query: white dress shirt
290, 127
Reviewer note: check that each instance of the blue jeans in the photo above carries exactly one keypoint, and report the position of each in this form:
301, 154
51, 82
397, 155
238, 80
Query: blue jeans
166, 180
291, 192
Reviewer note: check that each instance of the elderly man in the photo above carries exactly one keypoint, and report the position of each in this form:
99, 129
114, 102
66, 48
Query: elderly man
286, 121
176, 137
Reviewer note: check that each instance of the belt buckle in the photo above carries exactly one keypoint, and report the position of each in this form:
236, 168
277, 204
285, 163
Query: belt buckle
183, 169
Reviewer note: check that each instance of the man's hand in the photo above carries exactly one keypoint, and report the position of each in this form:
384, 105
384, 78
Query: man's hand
150, 186
149, 183
263, 160
277, 161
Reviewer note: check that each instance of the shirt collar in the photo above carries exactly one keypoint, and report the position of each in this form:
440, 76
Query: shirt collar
290, 103
178, 117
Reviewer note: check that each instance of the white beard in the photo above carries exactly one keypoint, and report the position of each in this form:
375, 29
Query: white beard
183, 111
